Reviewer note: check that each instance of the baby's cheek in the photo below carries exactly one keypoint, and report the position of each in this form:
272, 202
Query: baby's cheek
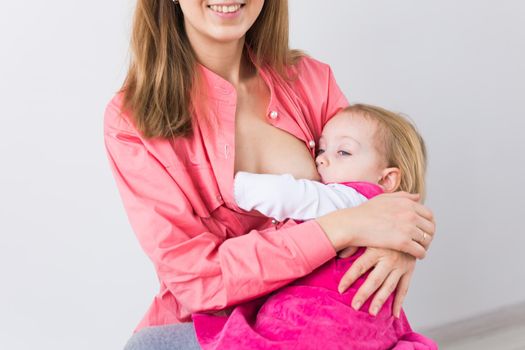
330, 176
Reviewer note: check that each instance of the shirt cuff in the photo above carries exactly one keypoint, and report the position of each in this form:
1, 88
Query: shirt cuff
311, 240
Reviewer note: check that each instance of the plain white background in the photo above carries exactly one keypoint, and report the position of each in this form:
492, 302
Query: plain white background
72, 273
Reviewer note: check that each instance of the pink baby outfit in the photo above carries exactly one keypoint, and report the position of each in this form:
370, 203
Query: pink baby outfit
310, 313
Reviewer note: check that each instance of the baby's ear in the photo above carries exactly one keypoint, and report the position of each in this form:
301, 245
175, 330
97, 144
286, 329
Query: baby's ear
390, 179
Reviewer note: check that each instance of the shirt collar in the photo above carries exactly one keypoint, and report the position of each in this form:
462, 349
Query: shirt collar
220, 88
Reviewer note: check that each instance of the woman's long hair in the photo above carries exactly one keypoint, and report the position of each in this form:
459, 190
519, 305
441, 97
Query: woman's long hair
162, 78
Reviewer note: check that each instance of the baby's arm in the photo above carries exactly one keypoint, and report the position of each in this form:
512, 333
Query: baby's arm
283, 196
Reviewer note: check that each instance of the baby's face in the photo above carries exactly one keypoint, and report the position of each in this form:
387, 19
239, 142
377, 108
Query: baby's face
347, 152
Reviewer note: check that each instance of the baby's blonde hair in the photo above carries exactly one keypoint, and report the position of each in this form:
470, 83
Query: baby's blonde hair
401, 144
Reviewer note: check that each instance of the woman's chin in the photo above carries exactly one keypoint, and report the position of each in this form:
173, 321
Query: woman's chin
224, 34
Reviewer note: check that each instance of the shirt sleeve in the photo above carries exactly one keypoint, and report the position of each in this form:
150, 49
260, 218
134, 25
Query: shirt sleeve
283, 196
200, 266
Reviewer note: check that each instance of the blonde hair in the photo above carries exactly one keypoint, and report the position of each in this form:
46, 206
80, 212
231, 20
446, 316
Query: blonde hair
401, 144
162, 79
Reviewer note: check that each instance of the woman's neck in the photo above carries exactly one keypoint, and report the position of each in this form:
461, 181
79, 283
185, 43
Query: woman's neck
225, 59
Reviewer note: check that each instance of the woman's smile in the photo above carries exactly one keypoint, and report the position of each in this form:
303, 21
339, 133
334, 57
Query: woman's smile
227, 10
221, 21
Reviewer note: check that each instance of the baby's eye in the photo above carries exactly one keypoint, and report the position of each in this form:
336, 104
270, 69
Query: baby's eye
319, 151
344, 153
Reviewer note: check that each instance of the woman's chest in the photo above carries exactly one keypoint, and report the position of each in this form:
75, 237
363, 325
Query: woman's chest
271, 136
267, 149
262, 134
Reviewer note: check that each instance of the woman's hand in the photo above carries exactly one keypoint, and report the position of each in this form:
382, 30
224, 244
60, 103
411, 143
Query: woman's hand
392, 221
395, 222
391, 270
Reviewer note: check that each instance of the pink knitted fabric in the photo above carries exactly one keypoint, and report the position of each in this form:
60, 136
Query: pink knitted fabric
310, 313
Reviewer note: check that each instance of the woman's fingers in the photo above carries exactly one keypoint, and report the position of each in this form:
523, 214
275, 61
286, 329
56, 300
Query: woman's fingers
424, 212
425, 217
423, 233
384, 292
358, 268
422, 238
401, 292
412, 196
345, 253
415, 249
392, 221
373, 281
426, 226
392, 272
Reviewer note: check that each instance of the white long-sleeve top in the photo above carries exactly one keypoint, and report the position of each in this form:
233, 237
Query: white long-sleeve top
282, 196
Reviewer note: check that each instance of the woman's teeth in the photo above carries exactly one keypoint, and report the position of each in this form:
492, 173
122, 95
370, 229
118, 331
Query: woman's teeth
225, 9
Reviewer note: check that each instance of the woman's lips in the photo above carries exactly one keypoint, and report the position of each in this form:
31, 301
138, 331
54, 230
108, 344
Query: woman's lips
226, 10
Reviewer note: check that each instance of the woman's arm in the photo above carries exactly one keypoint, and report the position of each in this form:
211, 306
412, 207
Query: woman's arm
392, 220
282, 196
193, 257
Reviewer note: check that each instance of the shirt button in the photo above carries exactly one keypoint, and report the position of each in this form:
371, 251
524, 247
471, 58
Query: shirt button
219, 198
311, 143
274, 222
274, 114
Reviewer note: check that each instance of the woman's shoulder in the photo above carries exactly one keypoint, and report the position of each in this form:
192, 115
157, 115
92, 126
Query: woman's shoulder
308, 64
317, 91
310, 70
314, 77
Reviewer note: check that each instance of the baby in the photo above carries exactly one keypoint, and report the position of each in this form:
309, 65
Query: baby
363, 151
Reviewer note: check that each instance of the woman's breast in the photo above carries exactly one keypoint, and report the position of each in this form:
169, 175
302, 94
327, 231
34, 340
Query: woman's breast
265, 149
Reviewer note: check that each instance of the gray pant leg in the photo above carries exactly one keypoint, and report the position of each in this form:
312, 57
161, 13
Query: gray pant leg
169, 337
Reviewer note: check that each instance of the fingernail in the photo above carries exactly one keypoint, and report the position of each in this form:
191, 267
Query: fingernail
374, 311
341, 289
357, 305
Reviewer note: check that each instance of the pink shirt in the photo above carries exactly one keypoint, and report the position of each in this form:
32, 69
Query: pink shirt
178, 195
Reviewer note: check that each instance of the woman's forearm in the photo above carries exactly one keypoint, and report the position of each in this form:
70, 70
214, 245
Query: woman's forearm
340, 233
393, 221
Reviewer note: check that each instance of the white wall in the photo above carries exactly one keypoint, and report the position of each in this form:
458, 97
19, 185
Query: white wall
73, 275
457, 68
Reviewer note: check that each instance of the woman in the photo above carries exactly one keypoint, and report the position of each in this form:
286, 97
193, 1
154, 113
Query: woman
213, 89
